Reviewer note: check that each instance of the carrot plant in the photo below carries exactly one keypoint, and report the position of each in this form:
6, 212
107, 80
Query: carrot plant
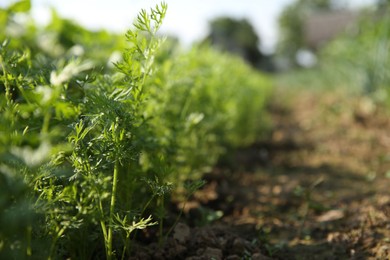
109, 138
202, 103
75, 183
91, 150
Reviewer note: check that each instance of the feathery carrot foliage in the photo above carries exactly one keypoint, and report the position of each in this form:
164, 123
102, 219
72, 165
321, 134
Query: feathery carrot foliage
92, 143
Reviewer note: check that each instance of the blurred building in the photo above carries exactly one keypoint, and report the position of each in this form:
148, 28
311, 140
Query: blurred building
321, 27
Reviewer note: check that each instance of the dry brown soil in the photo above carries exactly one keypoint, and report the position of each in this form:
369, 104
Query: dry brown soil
317, 188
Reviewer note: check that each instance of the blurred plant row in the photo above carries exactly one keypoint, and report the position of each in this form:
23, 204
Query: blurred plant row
362, 58
356, 59
97, 130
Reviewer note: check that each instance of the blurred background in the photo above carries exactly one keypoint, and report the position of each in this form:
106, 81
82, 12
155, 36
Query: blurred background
186, 19
326, 43
271, 35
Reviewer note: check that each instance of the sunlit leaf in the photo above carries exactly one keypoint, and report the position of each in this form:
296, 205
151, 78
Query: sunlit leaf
20, 6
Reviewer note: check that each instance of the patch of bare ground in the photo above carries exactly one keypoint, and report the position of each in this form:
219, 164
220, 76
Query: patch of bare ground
317, 188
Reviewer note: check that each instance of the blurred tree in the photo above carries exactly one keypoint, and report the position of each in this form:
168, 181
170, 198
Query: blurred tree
383, 3
291, 30
236, 36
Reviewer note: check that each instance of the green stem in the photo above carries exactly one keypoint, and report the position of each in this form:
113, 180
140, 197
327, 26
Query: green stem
8, 94
161, 237
147, 205
143, 211
46, 123
103, 224
54, 242
104, 230
177, 218
29, 250
112, 209
125, 248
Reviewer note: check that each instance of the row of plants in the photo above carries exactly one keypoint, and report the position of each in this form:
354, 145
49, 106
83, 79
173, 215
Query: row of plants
361, 57
356, 61
97, 131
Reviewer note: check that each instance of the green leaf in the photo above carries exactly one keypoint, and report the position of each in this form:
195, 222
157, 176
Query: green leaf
20, 7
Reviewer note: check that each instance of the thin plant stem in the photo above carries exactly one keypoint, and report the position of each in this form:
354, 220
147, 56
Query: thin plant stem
6, 83
112, 209
125, 248
46, 123
54, 242
142, 213
28, 249
177, 218
161, 221
104, 230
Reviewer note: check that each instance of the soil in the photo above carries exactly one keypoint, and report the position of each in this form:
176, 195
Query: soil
316, 188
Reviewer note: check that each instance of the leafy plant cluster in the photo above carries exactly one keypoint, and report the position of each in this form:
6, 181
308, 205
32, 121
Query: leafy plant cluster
356, 61
93, 144
362, 58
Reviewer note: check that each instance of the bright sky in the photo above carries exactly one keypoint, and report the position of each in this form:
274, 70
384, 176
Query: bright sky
187, 19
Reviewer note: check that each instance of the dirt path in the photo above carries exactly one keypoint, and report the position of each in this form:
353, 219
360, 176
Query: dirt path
318, 188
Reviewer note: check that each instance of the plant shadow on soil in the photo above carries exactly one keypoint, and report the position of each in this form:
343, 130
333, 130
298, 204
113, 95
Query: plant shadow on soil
305, 193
